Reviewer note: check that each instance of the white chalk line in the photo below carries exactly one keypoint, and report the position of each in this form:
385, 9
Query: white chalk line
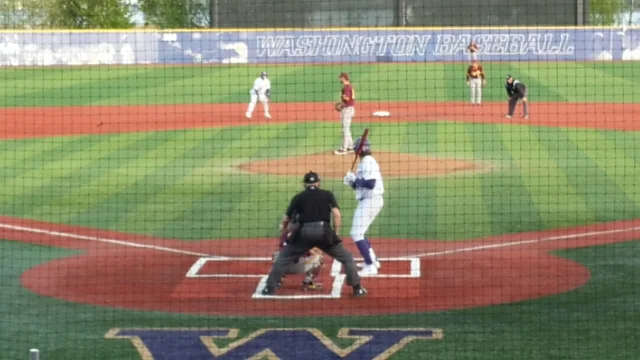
521, 242
100, 239
407, 257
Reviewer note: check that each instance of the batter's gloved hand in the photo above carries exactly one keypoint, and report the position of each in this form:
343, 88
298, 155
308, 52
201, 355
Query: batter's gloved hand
349, 178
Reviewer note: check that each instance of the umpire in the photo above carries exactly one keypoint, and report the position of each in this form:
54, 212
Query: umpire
516, 91
314, 208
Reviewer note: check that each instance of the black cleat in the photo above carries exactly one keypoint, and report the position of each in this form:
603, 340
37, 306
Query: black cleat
268, 290
359, 291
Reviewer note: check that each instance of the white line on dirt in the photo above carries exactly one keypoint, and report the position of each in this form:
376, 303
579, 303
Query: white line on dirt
213, 257
100, 239
522, 242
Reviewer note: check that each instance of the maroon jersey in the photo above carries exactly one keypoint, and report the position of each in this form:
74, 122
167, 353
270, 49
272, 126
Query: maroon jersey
348, 95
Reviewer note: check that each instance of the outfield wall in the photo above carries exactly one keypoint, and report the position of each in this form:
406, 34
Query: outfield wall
316, 46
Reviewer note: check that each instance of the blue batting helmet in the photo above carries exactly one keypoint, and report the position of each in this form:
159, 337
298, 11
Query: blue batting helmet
366, 147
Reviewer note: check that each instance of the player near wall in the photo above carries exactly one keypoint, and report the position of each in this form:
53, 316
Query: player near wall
261, 91
348, 99
473, 51
367, 183
476, 80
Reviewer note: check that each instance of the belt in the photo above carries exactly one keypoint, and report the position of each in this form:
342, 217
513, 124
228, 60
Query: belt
314, 223
369, 198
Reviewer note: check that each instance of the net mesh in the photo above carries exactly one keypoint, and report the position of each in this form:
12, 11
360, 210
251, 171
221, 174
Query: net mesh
152, 153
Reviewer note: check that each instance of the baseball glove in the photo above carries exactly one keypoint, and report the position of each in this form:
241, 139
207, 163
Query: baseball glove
338, 106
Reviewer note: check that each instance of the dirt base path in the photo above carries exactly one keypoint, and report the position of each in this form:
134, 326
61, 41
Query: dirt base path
61, 121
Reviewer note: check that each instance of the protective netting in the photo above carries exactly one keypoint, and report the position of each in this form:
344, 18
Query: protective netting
480, 158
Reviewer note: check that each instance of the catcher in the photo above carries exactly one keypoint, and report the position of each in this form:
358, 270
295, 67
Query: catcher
310, 264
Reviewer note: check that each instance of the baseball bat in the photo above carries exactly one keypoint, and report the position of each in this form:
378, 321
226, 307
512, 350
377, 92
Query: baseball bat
362, 140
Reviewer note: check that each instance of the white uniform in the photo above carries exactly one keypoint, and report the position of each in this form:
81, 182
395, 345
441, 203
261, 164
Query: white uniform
370, 203
258, 93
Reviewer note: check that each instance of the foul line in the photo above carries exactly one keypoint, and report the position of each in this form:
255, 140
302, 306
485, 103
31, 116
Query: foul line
521, 242
214, 257
100, 239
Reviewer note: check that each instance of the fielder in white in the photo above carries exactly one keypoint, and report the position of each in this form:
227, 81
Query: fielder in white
261, 91
367, 183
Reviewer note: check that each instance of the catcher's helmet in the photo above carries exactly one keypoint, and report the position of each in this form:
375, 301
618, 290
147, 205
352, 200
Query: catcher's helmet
366, 147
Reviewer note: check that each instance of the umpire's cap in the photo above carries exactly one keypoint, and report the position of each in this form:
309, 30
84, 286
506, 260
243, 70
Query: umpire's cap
311, 178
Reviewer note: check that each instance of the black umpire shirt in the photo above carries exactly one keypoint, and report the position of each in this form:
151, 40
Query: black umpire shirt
312, 204
516, 88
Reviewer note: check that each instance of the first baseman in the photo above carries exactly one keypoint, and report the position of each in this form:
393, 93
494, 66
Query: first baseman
261, 91
516, 91
476, 80
348, 98
367, 183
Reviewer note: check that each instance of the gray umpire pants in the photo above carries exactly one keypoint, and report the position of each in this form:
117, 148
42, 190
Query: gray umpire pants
308, 236
513, 102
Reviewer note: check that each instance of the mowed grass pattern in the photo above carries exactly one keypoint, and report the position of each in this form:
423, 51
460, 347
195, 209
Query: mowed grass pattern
104, 85
186, 184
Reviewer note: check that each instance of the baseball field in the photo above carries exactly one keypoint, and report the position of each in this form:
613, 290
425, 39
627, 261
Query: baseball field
139, 210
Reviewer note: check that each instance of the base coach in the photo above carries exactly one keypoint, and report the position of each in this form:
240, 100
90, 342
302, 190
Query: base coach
314, 208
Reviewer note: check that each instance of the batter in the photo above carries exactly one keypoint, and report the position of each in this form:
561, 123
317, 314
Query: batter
369, 190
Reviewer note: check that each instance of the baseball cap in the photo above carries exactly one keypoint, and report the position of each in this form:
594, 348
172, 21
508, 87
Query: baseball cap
344, 75
509, 76
311, 178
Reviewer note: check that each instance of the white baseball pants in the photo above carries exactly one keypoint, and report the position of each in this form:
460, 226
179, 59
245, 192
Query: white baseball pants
364, 215
254, 100
476, 90
346, 116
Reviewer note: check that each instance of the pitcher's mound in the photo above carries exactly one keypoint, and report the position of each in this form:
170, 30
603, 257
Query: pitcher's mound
329, 165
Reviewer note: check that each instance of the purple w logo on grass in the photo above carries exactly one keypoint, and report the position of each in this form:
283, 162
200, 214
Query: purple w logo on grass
283, 344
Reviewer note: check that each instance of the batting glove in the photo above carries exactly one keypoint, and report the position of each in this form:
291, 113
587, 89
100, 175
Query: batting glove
349, 178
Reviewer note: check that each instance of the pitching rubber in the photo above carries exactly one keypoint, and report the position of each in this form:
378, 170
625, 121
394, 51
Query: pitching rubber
381, 113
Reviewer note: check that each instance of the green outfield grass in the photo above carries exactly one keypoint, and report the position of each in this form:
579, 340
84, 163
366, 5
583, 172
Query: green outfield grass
548, 81
185, 185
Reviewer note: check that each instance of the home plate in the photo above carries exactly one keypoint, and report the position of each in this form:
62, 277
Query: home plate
381, 113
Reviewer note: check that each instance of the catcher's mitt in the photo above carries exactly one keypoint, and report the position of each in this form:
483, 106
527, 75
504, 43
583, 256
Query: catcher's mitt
338, 106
